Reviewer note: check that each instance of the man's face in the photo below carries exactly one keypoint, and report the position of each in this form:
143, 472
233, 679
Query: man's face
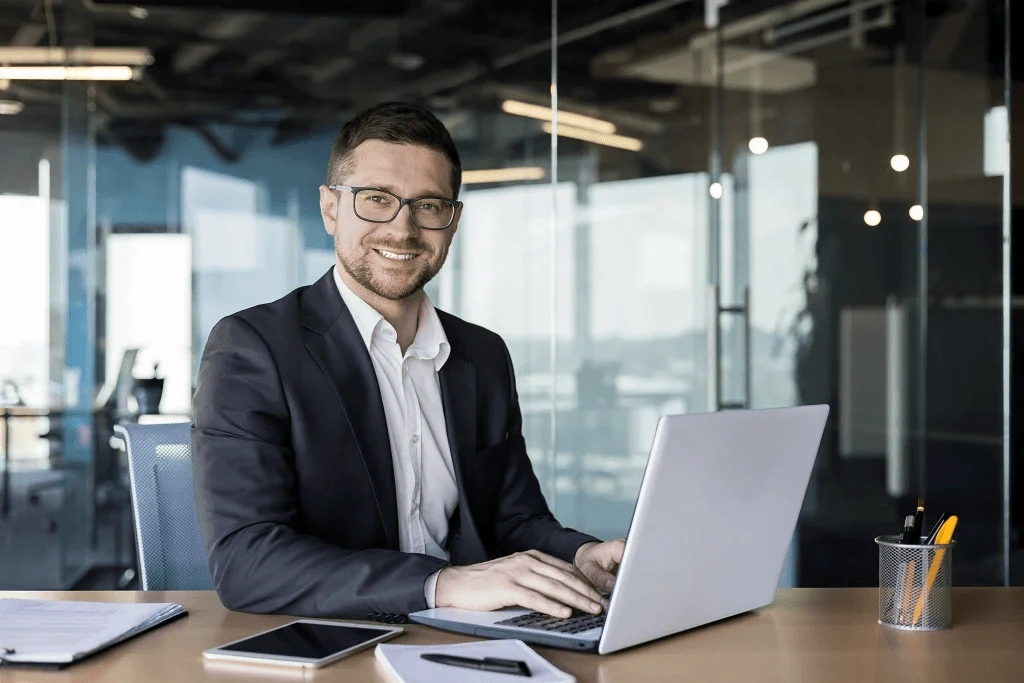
414, 255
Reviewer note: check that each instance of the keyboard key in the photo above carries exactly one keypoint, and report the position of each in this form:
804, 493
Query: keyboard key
579, 622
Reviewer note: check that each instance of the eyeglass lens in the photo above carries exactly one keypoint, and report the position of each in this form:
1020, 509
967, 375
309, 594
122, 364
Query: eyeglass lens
430, 212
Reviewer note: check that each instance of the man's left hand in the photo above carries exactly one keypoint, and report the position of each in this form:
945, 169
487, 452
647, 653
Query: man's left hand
600, 561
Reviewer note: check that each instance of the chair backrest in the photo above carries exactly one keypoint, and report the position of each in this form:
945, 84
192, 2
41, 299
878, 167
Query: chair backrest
171, 552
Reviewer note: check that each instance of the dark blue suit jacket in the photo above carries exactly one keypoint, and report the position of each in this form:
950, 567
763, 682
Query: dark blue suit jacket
294, 481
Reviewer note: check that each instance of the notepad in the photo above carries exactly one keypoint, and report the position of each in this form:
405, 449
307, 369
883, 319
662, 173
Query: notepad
404, 664
58, 632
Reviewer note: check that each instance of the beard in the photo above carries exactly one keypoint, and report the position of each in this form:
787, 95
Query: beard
386, 286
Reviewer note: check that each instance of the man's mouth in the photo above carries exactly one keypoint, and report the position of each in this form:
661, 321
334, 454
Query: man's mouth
394, 256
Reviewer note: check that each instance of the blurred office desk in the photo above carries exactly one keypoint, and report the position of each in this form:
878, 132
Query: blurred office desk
807, 635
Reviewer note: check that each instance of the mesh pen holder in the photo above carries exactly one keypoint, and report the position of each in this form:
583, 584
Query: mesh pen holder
915, 585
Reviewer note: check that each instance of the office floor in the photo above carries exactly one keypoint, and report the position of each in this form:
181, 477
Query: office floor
37, 552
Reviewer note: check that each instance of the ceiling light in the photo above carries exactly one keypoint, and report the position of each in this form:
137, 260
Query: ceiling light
872, 218
11, 107
67, 73
502, 175
535, 111
899, 163
716, 190
138, 12
620, 141
917, 212
758, 145
129, 56
406, 61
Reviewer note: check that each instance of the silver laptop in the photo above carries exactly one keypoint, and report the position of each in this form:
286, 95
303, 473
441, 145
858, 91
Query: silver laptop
717, 507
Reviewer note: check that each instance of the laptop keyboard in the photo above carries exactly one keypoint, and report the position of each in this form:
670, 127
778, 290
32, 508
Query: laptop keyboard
577, 623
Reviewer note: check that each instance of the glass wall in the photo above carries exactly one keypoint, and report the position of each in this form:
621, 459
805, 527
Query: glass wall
776, 204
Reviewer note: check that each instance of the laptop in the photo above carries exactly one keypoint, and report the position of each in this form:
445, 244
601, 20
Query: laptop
712, 525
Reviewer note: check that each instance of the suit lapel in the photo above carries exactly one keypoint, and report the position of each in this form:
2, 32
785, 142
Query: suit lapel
458, 396
338, 348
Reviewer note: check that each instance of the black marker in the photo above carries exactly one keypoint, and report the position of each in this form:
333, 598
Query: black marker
908, 531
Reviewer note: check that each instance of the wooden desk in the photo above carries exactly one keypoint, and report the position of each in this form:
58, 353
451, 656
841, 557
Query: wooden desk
807, 635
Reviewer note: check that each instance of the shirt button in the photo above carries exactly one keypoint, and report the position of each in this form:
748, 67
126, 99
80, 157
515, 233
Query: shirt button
415, 439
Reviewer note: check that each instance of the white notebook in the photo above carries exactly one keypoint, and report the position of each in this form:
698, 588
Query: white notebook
56, 632
404, 664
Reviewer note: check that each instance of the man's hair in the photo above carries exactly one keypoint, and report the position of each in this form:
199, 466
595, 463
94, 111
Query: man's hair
396, 122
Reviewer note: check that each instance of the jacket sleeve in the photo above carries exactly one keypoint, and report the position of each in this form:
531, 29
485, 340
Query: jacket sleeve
524, 521
245, 482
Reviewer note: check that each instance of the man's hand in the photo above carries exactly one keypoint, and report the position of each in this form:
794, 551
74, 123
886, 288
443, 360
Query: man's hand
529, 579
600, 561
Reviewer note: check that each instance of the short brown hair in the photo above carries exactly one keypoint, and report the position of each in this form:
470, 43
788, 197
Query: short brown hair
396, 122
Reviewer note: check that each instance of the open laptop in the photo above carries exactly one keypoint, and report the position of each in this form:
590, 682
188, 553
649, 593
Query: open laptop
717, 507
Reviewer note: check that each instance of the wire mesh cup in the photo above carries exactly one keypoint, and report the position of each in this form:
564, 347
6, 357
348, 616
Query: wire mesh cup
915, 585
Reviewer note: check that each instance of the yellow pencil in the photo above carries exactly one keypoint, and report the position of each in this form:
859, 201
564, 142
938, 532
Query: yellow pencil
944, 536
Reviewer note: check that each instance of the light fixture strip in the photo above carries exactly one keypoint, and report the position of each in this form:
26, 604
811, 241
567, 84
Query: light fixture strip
103, 56
619, 141
67, 73
502, 175
536, 111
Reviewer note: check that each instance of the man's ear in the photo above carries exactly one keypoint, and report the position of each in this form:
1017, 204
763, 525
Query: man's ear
455, 221
329, 209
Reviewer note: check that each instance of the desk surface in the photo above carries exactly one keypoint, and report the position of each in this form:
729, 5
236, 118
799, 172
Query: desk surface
806, 635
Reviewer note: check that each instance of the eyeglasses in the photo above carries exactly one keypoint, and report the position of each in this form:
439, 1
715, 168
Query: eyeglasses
380, 206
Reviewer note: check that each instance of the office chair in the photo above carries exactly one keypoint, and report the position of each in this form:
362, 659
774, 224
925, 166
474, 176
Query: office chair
171, 552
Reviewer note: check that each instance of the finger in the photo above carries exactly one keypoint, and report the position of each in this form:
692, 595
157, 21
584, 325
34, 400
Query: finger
576, 580
602, 579
538, 602
616, 548
560, 592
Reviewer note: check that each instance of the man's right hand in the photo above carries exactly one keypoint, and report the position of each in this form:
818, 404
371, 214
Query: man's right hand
529, 579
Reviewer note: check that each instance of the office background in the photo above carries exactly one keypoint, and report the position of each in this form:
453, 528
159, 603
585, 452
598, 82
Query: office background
766, 204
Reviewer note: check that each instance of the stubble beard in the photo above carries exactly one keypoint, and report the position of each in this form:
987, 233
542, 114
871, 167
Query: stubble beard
360, 270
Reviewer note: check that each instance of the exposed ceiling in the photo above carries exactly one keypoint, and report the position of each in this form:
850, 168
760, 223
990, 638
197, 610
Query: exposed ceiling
640, 63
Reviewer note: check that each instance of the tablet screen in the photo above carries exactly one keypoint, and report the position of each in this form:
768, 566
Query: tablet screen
305, 640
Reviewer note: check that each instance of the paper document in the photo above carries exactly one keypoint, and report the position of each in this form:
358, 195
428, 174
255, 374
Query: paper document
404, 664
60, 631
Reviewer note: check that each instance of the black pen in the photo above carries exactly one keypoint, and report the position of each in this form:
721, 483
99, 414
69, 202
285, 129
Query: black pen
513, 667
935, 529
918, 520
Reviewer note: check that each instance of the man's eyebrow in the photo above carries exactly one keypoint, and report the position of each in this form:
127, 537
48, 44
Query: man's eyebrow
391, 188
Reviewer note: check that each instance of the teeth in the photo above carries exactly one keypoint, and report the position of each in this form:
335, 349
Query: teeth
394, 256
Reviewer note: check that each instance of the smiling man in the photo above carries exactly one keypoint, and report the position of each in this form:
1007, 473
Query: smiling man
358, 453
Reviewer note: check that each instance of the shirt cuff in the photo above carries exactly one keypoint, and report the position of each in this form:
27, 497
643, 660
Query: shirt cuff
429, 588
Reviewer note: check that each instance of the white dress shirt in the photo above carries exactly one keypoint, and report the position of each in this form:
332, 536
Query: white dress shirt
409, 388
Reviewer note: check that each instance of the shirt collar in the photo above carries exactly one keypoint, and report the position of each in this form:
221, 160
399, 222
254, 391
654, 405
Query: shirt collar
430, 343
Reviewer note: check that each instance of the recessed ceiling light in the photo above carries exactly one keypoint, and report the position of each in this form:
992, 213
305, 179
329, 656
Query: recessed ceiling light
11, 107
758, 145
138, 12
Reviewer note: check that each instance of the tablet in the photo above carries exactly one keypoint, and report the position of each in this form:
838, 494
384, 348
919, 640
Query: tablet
305, 642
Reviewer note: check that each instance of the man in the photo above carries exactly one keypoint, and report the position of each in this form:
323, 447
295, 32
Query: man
358, 453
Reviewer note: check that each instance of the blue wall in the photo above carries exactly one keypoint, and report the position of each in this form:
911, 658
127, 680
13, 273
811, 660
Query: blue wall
132, 193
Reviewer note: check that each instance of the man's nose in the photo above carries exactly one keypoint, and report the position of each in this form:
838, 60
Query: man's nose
404, 223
